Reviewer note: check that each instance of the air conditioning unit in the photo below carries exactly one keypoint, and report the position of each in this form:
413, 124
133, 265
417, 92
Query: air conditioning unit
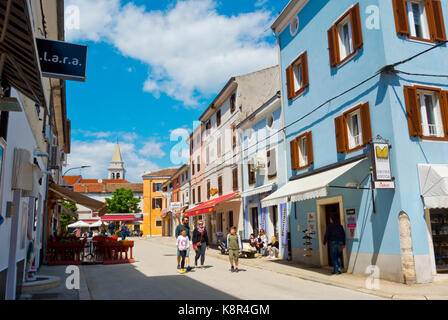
55, 157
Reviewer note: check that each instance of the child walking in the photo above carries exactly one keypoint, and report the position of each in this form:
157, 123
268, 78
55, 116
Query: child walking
233, 247
183, 244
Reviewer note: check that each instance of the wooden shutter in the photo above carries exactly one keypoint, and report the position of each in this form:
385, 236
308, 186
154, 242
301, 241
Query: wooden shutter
235, 179
437, 21
413, 111
444, 110
341, 134
294, 154
333, 47
309, 145
153, 203
366, 124
290, 82
355, 17
401, 18
153, 187
304, 70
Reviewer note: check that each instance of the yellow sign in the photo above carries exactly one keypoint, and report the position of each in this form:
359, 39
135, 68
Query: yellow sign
213, 191
382, 153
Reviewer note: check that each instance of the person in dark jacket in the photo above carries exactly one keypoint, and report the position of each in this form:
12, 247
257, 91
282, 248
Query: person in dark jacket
335, 237
200, 243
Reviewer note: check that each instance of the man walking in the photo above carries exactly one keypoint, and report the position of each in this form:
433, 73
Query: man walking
183, 226
335, 237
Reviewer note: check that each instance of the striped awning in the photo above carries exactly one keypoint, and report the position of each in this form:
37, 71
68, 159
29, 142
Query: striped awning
18, 51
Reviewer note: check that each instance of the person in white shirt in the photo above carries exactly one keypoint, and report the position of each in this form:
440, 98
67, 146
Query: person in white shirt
183, 244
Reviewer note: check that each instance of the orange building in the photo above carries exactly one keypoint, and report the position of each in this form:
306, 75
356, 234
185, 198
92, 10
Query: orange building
153, 203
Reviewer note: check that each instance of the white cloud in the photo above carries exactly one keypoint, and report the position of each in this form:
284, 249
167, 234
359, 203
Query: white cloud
190, 49
260, 3
152, 149
98, 154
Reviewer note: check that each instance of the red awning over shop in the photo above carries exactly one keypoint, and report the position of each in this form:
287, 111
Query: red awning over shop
120, 217
209, 206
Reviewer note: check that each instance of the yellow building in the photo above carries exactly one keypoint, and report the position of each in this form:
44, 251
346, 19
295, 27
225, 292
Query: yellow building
153, 201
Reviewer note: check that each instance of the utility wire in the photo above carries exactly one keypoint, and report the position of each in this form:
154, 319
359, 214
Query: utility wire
388, 68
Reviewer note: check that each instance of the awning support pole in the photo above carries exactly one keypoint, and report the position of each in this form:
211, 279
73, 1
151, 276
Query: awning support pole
373, 190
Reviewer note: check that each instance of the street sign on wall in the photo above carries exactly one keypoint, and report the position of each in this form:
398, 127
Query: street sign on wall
62, 60
381, 164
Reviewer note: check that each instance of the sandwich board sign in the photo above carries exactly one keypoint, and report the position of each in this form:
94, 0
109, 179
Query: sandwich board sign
62, 60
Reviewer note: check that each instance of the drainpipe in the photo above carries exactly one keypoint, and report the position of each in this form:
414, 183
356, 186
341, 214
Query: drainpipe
241, 175
45, 215
285, 168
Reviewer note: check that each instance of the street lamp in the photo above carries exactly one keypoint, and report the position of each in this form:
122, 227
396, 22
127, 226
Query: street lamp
81, 167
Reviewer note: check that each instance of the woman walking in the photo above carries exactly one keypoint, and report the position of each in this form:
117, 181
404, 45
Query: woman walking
200, 243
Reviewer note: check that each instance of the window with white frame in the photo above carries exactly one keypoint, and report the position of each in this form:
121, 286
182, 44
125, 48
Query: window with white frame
303, 151
431, 116
418, 19
354, 132
345, 38
297, 71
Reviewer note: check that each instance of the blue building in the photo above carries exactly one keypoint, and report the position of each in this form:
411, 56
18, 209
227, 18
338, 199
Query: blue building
264, 171
356, 73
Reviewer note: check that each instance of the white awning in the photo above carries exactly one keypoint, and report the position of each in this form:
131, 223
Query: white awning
258, 190
434, 185
314, 186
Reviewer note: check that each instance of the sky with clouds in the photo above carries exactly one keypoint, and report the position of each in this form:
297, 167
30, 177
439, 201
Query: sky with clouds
153, 67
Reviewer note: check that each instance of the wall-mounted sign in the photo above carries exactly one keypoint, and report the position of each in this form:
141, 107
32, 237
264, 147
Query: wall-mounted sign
381, 165
62, 60
311, 224
350, 215
213, 191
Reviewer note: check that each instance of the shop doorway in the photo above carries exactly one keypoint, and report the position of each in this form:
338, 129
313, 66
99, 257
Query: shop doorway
254, 220
273, 217
230, 220
332, 211
325, 209
438, 227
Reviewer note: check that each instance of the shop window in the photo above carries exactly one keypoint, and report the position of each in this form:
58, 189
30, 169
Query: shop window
208, 189
220, 192
353, 129
420, 19
345, 37
271, 156
218, 118
439, 230
427, 112
157, 203
302, 151
235, 179
297, 76
233, 103
251, 174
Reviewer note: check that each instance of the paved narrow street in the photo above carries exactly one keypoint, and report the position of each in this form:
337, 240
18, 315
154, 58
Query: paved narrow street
154, 276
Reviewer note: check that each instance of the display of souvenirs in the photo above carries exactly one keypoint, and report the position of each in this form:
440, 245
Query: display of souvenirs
307, 237
439, 227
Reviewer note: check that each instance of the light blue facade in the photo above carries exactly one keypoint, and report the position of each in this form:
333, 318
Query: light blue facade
256, 138
377, 240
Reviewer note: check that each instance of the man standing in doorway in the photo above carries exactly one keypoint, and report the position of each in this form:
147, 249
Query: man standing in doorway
335, 237
183, 226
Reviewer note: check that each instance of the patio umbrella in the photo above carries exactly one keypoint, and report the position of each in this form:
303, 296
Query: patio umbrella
79, 224
96, 224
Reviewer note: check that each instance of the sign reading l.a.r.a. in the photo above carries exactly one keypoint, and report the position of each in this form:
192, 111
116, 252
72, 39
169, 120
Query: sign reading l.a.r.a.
381, 165
62, 60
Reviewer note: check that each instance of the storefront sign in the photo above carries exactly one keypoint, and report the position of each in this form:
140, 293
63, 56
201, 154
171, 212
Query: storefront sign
62, 60
175, 205
350, 215
384, 185
311, 224
382, 169
284, 225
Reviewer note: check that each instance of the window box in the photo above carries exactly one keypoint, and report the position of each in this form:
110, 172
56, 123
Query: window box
345, 37
427, 112
302, 155
420, 19
297, 78
353, 129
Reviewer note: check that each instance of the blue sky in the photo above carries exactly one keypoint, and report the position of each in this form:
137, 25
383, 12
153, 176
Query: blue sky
149, 79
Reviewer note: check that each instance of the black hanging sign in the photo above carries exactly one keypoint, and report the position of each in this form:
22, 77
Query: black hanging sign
62, 60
